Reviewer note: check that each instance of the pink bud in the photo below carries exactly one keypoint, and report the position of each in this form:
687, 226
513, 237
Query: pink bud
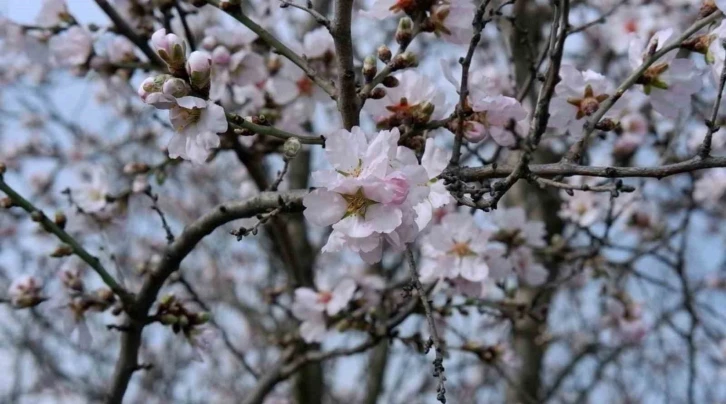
170, 48
399, 187
199, 67
220, 55
176, 87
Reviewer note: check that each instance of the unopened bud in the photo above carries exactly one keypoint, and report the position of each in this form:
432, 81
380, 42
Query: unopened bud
377, 93
167, 299
203, 317
404, 60
427, 109
199, 68
404, 33
384, 54
707, 8
369, 68
221, 55
291, 148
209, 42
62, 251
390, 82
176, 87
170, 48
607, 124
36, 216
136, 168
152, 85
168, 319
6, 203
183, 321
3, 168
60, 219
698, 44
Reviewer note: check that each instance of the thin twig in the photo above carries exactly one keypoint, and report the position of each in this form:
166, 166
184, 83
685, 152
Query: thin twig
283, 50
308, 8
155, 206
438, 345
713, 126
38, 216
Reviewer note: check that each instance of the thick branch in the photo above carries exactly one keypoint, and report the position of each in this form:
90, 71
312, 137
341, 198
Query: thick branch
567, 170
347, 97
173, 256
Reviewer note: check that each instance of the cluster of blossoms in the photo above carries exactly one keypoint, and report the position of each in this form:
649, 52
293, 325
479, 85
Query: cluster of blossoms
488, 112
475, 257
184, 92
377, 191
447, 19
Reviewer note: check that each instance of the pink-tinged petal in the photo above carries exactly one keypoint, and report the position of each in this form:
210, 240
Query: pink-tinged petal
214, 119
503, 137
324, 208
178, 146
342, 294
282, 90
474, 269
190, 102
313, 330
160, 100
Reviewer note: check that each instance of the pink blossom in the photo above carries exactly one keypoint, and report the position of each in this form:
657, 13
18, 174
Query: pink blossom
458, 247
170, 48
72, 47
310, 306
578, 96
452, 20
669, 82
53, 13
581, 208
492, 115
317, 43
197, 123
415, 99
120, 50
91, 191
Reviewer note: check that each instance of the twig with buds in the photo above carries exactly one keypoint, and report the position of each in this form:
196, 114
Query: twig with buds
436, 340
50, 226
308, 8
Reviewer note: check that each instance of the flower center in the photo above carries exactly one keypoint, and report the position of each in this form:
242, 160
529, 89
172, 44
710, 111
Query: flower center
461, 249
305, 86
95, 195
588, 104
189, 117
651, 78
403, 5
631, 26
357, 204
324, 297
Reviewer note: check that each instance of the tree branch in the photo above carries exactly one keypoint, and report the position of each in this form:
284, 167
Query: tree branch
347, 97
